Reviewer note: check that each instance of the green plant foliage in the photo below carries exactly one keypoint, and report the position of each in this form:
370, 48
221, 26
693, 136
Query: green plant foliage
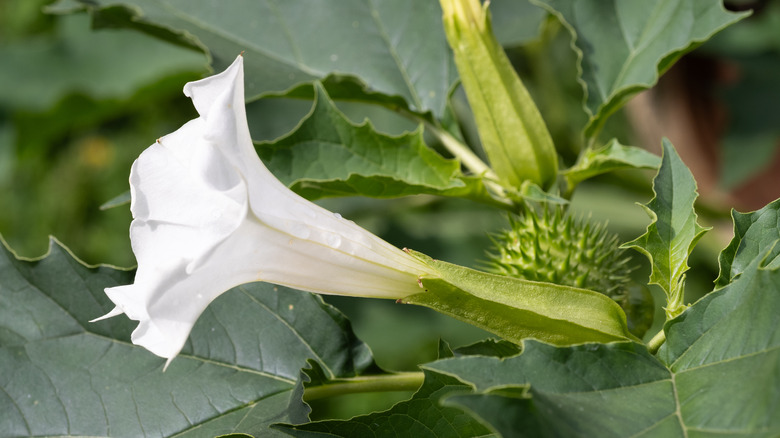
717, 376
421, 416
517, 309
754, 234
66, 376
673, 233
566, 361
529, 191
488, 347
87, 64
373, 47
624, 46
327, 155
610, 157
548, 391
516, 22
75, 109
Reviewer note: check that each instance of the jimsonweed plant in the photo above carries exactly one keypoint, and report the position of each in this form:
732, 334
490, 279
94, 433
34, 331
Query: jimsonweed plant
230, 323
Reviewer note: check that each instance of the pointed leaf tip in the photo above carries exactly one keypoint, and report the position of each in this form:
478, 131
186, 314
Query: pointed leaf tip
673, 232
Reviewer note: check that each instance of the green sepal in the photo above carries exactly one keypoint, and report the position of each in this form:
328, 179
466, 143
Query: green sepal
518, 309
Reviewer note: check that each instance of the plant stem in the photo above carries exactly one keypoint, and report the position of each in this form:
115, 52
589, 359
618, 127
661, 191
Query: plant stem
382, 383
462, 152
656, 342
472, 162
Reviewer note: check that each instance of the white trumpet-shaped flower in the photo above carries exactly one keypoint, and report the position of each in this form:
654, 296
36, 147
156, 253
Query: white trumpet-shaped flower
209, 216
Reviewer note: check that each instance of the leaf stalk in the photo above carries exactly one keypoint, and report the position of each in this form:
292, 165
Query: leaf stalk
473, 163
462, 152
656, 342
409, 381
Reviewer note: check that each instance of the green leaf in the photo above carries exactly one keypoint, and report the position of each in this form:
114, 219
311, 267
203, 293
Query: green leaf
673, 232
604, 390
756, 36
65, 376
735, 322
517, 309
489, 347
444, 349
421, 416
610, 157
516, 22
390, 52
718, 375
754, 233
327, 155
624, 46
529, 191
88, 63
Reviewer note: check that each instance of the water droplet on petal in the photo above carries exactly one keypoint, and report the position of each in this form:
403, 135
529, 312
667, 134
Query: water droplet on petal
300, 231
334, 240
338, 216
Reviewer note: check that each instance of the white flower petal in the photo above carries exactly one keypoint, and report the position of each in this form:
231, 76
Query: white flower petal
208, 216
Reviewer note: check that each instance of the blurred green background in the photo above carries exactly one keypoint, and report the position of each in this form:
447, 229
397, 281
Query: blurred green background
77, 106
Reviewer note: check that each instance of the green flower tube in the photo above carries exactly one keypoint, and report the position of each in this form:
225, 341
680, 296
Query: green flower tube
510, 126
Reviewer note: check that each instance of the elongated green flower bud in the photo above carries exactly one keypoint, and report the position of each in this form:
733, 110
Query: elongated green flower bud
512, 131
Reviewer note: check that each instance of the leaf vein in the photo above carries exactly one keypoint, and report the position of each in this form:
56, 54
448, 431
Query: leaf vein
16, 405
179, 13
292, 330
394, 54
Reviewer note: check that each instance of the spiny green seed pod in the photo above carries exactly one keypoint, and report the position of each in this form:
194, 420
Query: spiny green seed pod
510, 126
557, 248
